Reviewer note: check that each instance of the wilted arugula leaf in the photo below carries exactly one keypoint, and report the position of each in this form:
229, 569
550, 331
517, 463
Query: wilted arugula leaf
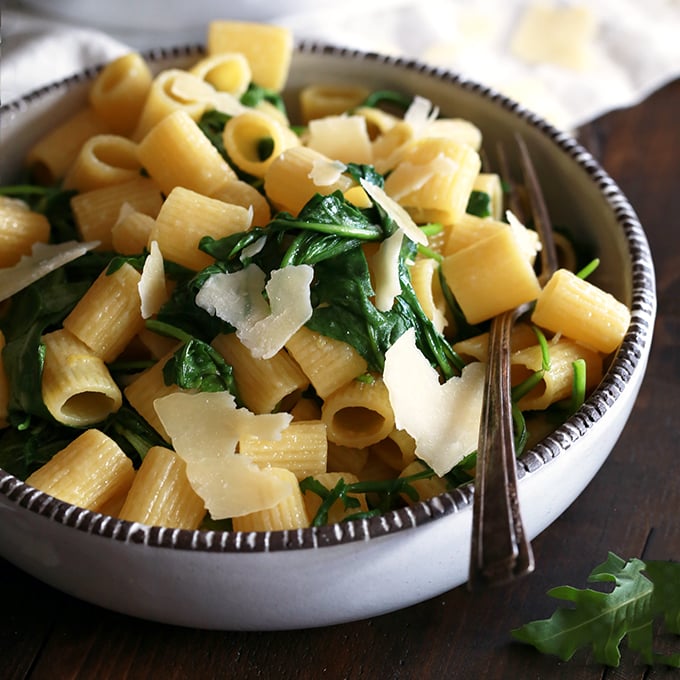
24, 451
601, 620
34, 310
198, 366
479, 204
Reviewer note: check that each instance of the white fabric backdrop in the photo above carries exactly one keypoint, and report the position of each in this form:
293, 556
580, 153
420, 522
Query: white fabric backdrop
634, 49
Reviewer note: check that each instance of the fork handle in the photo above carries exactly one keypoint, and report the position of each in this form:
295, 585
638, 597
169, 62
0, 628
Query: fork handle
500, 548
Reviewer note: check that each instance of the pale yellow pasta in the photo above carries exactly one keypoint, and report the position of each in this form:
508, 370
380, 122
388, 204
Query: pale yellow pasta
490, 183
337, 511
146, 388
226, 72
130, 234
391, 145
118, 93
176, 153
342, 138
456, 129
247, 196
244, 136
289, 182
302, 449
328, 363
433, 179
424, 273
557, 382
429, 487
186, 217
77, 388
172, 90
108, 316
267, 48
91, 472
346, 459
103, 160
378, 122
398, 449
359, 413
290, 513
52, 155
306, 408
318, 101
571, 306
468, 230
263, 384
491, 276
476, 348
4, 387
161, 494
358, 197
20, 228
97, 211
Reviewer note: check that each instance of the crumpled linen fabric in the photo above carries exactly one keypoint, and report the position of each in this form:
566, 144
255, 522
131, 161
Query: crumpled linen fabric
632, 50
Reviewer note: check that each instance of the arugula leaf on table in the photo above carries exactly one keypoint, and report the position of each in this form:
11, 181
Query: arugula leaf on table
601, 620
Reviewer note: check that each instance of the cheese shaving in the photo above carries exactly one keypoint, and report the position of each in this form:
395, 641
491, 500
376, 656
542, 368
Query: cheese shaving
443, 419
529, 241
326, 172
152, 290
385, 268
420, 114
395, 211
44, 258
237, 299
205, 429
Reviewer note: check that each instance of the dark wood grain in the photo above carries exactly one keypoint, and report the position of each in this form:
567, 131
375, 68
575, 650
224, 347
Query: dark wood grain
631, 508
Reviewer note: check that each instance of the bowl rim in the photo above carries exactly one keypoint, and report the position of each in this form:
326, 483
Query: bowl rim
618, 376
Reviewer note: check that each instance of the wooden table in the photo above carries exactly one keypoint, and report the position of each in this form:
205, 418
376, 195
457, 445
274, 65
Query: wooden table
631, 508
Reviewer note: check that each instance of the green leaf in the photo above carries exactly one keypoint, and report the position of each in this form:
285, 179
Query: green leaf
601, 620
35, 309
198, 366
479, 204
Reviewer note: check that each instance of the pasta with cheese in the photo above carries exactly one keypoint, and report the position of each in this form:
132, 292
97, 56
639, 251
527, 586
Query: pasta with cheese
274, 325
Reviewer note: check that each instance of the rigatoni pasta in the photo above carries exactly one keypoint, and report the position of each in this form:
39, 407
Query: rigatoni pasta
348, 250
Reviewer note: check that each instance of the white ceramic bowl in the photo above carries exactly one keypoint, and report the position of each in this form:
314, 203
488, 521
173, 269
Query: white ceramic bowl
328, 575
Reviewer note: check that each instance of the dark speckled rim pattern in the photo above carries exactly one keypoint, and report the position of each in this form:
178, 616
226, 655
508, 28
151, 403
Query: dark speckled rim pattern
637, 337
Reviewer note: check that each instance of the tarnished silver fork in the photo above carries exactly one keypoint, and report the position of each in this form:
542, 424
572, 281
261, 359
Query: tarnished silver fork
500, 548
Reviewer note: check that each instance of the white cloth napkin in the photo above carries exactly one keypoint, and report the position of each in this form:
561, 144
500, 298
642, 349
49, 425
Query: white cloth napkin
628, 49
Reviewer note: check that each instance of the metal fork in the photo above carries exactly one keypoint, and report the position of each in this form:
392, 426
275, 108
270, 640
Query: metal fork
500, 549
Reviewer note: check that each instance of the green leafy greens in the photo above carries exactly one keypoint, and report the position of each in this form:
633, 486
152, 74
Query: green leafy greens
643, 592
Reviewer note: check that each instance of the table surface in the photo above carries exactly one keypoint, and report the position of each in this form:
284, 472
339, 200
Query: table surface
630, 508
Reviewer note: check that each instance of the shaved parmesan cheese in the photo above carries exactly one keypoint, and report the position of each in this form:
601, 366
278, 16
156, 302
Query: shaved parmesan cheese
385, 268
528, 239
44, 258
237, 299
188, 88
253, 249
151, 286
395, 211
204, 429
344, 138
420, 114
443, 419
326, 172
